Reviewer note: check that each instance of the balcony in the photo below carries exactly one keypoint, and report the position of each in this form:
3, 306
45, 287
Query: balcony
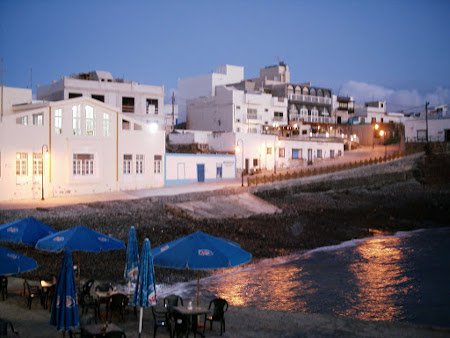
312, 119
309, 98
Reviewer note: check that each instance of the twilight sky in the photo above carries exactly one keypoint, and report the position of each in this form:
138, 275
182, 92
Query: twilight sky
398, 50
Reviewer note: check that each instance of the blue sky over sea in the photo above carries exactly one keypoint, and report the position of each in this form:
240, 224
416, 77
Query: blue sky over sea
393, 50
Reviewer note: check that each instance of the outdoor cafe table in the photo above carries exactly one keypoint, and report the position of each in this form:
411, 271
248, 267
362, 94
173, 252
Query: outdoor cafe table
192, 313
98, 330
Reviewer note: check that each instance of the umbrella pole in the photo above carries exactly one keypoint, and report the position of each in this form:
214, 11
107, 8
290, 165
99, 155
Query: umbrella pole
198, 287
141, 313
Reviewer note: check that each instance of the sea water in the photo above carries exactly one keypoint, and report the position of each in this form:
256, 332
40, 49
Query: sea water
401, 277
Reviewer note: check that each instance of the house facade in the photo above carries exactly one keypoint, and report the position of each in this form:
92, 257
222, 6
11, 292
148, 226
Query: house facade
237, 109
74, 147
143, 102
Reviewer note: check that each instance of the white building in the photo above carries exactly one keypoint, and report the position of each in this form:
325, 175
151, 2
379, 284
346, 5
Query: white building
77, 146
270, 152
343, 107
376, 112
205, 85
193, 168
143, 102
236, 110
438, 127
10, 96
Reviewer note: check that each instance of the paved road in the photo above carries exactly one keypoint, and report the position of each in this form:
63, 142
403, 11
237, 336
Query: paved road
354, 155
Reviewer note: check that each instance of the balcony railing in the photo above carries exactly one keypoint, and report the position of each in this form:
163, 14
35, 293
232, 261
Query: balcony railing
128, 108
312, 119
310, 98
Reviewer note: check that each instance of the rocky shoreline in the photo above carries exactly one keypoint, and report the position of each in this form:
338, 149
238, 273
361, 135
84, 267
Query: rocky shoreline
325, 212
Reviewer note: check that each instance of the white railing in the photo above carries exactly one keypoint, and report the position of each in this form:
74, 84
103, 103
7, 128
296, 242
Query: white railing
310, 98
311, 119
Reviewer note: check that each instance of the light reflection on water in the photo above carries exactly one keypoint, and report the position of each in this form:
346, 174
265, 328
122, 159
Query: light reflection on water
381, 278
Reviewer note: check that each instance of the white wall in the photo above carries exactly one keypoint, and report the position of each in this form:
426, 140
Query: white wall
59, 177
10, 96
436, 129
182, 168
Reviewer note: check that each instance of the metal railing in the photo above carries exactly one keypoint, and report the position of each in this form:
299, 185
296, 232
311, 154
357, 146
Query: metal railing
310, 98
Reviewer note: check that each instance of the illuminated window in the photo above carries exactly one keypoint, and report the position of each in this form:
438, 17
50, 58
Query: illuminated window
90, 121
76, 120
139, 164
83, 165
21, 164
157, 164
105, 124
37, 164
58, 121
269, 150
127, 159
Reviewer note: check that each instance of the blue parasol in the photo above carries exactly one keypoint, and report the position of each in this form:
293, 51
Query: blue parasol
65, 305
12, 263
26, 231
79, 238
200, 251
145, 293
132, 260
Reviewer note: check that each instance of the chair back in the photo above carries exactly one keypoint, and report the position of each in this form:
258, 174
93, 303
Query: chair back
173, 300
118, 301
86, 288
104, 287
159, 318
220, 306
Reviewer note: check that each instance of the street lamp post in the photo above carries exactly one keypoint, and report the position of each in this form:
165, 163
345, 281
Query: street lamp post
44, 146
242, 159
382, 134
375, 127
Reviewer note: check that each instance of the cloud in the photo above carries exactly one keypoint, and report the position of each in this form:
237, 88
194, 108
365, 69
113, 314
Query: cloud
397, 99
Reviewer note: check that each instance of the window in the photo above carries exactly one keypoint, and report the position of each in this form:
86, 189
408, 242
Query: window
76, 120
23, 120
83, 165
238, 107
128, 104
58, 121
98, 97
296, 154
281, 152
152, 106
105, 124
127, 159
266, 110
126, 125
252, 113
255, 162
218, 170
339, 153
90, 121
139, 164
37, 164
38, 119
74, 95
269, 150
421, 135
319, 153
331, 153
21, 164
278, 116
157, 164
374, 120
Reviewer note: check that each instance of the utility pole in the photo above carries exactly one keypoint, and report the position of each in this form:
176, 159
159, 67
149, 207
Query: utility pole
426, 119
173, 111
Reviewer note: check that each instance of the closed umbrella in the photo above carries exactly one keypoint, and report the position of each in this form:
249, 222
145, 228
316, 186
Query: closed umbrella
64, 311
145, 292
200, 251
79, 238
12, 263
132, 258
25, 231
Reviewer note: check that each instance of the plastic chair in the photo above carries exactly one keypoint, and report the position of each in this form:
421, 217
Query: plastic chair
31, 292
181, 325
173, 300
4, 324
220, 306
4, 287
161, 319
118, 303
86, 300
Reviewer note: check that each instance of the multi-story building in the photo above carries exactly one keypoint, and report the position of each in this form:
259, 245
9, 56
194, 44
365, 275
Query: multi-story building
343, 108
205, 85
143, 102
77, 146
375, 112
237, 108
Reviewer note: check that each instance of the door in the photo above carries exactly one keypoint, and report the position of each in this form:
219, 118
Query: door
246, 165
310, 156
447, 135
200, 172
